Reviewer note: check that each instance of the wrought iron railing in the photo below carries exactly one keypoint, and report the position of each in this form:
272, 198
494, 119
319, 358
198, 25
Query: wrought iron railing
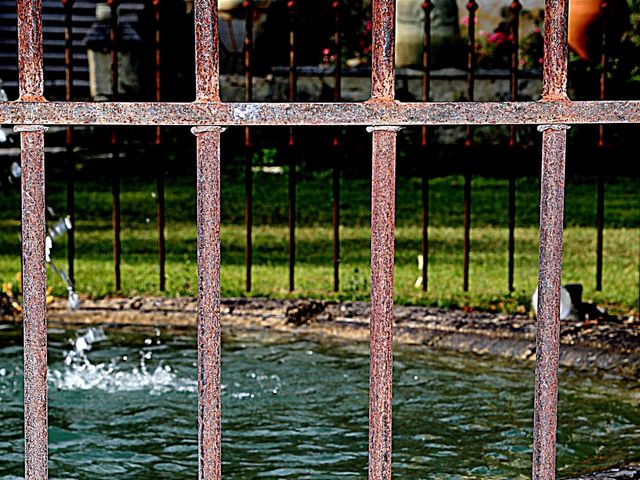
383, 117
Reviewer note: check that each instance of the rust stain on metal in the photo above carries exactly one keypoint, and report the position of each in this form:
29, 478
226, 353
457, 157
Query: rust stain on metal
382, 261
34, 291
554, 144
207, 58
556, 50
30, 50
208, 218
383, 74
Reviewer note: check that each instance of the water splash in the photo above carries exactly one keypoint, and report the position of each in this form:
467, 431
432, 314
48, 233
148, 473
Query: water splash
116, 375
58, 229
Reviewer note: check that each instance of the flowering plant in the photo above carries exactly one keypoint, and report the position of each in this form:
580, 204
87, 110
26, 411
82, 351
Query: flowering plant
494, 49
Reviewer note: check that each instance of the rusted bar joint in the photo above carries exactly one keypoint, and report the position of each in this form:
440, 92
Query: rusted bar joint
384, 128
30, 128
207, 57
383, 73
544, 128
212, 128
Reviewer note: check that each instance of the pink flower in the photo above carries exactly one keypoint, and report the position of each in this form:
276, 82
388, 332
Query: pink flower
326, 52
464, 21
496, 37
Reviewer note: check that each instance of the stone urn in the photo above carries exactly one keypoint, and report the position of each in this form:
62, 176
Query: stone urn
229, 5
447, 49
586, 21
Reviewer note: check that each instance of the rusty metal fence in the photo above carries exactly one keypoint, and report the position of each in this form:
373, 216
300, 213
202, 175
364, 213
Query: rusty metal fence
246, 54
383, 116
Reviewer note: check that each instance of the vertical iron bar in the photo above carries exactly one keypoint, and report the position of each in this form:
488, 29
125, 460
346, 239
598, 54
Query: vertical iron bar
209, 340
248, 171
208, 216
383, 50
515, 8
207, 57
548, 323
115, 194
34, 293
467, 228
34, 274
554, 144
382, 263
599, 228
511, 224
160, 178
30, 73
115, 149
337, 97
293, 86
382, 245
604, 60
427, 7
70, 160
472, 7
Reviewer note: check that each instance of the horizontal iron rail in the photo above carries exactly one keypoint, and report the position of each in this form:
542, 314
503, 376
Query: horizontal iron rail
372, 113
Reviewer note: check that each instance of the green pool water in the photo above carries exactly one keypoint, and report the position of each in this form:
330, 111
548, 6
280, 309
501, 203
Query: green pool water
296, 408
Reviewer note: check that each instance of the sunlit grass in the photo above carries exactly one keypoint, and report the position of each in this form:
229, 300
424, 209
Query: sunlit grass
488, 267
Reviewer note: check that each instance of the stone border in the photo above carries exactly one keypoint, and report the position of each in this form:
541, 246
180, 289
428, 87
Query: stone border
611, 345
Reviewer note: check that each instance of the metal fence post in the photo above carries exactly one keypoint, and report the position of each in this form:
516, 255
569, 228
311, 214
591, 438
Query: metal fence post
382, 244
472, 8
70, 161
293, 87
115, 150
34, 274
604, 61
515, 9
248, 143
337, 97
160, 175
208, 219
427, 7
554, 144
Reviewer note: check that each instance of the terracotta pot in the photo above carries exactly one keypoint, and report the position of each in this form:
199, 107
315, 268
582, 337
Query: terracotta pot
586, 22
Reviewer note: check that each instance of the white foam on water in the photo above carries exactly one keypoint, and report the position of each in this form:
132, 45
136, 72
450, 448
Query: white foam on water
79, 373
108, 378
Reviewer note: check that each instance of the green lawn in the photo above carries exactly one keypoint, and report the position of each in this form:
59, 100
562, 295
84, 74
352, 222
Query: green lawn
488, 272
